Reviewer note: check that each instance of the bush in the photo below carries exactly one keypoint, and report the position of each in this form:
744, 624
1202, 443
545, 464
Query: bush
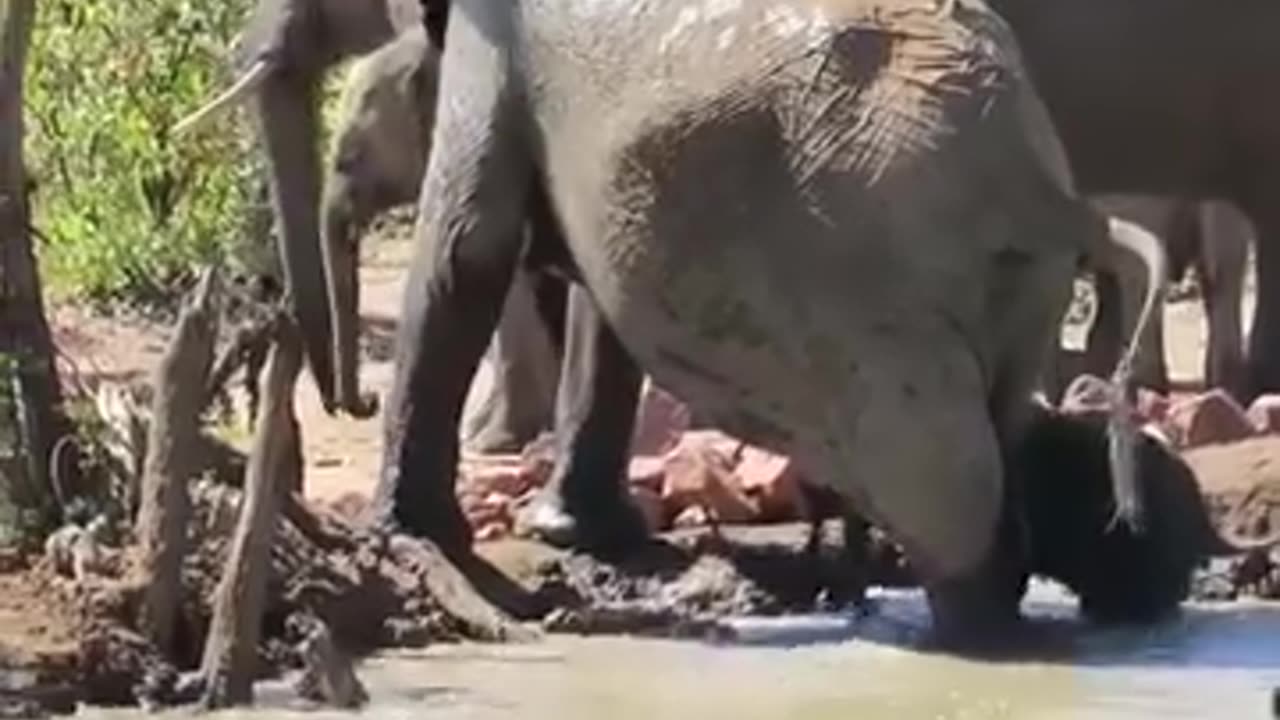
122, 207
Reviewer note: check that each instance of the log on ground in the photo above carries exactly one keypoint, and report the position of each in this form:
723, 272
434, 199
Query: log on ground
230, 654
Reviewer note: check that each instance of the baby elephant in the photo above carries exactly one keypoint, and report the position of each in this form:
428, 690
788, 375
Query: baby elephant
379, 154
1120, 575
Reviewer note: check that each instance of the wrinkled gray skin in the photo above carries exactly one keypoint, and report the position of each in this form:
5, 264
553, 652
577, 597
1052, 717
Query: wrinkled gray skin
831, 234
1138, 116
1213, 237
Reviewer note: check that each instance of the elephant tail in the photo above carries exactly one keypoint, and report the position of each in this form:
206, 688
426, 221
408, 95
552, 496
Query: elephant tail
1122, 431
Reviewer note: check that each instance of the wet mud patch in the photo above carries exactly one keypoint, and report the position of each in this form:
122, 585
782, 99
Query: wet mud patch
66, 640
685, 582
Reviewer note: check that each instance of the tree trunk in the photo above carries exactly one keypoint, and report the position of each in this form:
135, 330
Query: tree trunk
230, 652
28, 377
165, 510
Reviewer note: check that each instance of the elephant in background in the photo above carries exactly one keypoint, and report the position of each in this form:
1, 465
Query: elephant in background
378, 157
1170, 98
282, 55
1211, 236
284, 52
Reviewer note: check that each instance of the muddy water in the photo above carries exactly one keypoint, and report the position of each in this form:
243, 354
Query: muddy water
1215, 662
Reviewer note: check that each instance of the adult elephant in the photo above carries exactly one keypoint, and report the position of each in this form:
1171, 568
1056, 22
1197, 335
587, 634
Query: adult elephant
836, 228
1211, 236
1138, 116
379, 155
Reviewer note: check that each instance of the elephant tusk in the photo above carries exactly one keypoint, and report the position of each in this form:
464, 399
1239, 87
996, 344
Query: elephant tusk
247, 83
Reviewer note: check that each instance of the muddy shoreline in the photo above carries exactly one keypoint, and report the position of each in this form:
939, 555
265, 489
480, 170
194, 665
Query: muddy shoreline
64, 642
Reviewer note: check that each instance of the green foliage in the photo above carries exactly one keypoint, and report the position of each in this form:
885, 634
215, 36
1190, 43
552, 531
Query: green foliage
125, 208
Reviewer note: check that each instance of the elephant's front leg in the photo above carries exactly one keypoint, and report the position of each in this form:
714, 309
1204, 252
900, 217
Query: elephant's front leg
469, 240
586, 503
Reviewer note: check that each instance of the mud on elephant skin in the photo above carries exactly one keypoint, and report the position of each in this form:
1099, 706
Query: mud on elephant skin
681, 211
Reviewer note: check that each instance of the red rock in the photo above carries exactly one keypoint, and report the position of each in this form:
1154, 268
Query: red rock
692, 516
700, 473
508, 476
492, 531
647, 471
1264, 414
649, 502
660, 421
724, 444
485, 509
1157, 432
350, 505
1086, 394
773, 481
1211, 418
1152, 405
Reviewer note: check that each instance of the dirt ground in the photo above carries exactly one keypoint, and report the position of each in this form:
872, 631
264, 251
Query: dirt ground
1242, 481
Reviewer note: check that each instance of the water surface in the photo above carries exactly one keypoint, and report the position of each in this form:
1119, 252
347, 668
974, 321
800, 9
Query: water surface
1216, 661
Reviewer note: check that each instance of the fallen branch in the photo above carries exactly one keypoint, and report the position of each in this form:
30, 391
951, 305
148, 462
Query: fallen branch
165, 508
230, 652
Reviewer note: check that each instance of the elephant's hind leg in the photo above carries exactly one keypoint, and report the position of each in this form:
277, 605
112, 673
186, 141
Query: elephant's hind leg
469, 241
1221, 261
587, 503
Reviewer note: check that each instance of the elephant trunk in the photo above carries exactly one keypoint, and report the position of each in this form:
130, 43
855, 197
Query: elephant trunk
340, 247
288, 113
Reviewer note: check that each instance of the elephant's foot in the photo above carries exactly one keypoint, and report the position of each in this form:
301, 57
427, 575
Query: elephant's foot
978, 612
438, 519
612, 527
972, 617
